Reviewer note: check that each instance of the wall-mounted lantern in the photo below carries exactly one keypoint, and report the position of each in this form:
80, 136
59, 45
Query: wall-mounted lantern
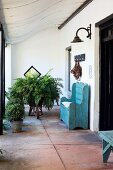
78, 39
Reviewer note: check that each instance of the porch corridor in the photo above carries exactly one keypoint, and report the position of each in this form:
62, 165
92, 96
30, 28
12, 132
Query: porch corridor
47, 144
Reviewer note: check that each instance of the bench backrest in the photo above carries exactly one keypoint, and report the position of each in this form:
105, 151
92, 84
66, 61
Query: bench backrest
80, 92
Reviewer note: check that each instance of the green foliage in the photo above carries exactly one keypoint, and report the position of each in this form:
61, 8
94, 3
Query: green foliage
14, 110
17, 90
32, 90
48, 89
30, 85
44, 89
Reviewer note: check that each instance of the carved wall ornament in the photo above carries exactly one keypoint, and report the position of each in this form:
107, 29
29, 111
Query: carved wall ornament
77, 70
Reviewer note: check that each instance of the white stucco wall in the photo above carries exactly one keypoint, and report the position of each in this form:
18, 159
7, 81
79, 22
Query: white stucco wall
47, 50
94, 12
41, 51
7, 67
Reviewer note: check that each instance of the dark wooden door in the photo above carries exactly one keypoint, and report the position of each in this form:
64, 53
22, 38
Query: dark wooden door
106, 79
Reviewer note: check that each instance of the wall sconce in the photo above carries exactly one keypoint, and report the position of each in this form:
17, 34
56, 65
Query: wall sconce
77, 38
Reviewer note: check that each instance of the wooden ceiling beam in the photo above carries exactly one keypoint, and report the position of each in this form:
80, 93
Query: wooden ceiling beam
78, 10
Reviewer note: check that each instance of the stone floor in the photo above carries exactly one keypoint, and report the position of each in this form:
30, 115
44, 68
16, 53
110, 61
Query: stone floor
47, 144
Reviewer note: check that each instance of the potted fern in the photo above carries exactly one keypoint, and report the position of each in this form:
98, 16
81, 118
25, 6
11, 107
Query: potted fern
42, 91
35, 91
14, 110
47, 92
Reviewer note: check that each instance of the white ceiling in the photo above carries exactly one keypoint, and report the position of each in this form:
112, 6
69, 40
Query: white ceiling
23, 18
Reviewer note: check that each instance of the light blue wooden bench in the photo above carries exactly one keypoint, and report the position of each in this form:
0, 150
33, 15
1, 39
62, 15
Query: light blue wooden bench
74, 111
107, 144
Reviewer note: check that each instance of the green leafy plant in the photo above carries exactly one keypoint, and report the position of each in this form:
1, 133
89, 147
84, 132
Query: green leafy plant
30, 87
42, 91
33, 90
14, 110
48, 90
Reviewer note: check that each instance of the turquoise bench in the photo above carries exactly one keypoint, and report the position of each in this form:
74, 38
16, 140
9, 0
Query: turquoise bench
74, 111
107, 143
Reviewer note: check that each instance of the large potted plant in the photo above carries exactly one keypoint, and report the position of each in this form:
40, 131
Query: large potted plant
14, 110
30, 86
42, 91
48, 90
35, 91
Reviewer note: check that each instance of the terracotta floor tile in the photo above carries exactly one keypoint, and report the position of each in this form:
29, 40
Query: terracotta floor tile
83, 157
47, 144
77, 137
42, 157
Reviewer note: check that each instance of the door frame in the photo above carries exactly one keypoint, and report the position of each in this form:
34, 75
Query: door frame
103, 24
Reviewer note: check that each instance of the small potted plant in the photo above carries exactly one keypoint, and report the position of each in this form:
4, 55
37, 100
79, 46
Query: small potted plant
14, 110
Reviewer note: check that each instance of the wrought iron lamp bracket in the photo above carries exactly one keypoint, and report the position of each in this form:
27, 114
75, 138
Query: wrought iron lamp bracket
88, 29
